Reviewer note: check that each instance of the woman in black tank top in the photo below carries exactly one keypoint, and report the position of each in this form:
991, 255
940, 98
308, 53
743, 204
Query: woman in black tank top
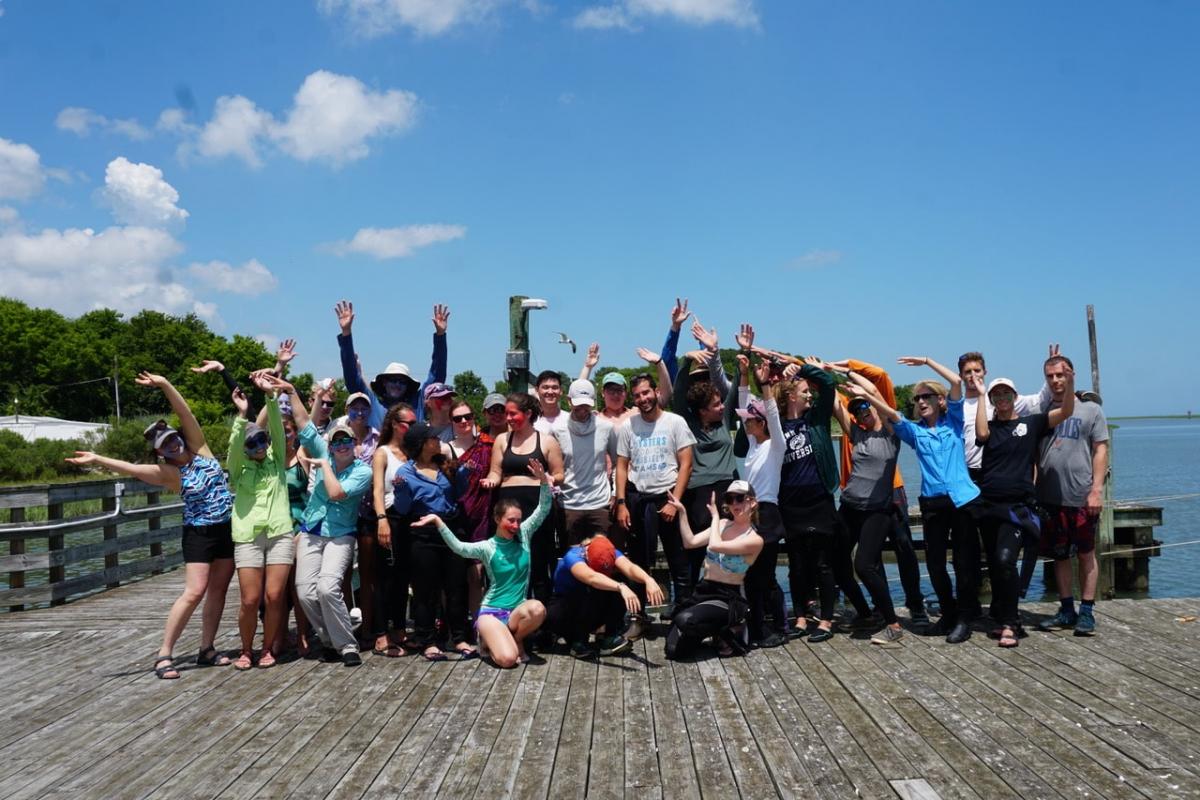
509, 475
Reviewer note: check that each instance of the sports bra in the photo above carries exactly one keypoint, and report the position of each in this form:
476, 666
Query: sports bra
734, 564
516, 465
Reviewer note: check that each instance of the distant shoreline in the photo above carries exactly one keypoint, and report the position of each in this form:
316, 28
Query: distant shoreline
1194, 417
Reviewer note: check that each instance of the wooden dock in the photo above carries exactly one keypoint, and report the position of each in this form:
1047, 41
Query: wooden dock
1114, 716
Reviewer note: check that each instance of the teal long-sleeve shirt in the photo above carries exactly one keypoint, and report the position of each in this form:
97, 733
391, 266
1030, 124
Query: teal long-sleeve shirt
506, 561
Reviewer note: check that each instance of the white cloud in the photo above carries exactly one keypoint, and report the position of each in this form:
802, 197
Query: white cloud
625, 13
80, 122
9, 216
76, 270
402, 242
331, 119
138, 195
371, 18
251, 278
21, 174
815, 259
268, 340
334, 115
236, 129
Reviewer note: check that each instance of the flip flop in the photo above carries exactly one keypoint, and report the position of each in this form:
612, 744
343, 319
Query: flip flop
391, 651
435, 656
467, 655
267, 660
244, 661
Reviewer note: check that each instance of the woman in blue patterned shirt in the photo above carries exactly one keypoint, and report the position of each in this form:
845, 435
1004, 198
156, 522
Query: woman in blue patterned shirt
188, 467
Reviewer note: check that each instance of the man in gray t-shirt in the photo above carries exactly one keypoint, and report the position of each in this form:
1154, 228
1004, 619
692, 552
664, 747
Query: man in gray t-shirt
654, 456
589, 445
1071, 470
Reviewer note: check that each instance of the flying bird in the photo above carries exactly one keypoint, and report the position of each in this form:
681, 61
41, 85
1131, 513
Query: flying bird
564, 339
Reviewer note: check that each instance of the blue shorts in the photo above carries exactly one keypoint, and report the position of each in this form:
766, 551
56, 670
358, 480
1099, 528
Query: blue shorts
501, 614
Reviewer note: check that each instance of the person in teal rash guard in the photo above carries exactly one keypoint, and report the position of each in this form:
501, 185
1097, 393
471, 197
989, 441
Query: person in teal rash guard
506, 619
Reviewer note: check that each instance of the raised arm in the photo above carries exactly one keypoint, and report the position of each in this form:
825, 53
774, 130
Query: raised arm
683, 383
693, 540
590, 361
351, 372
535, 520
947, 374
237, 438
982, 431
188, 426
1067, 408
474, 550
284, 356
664, 377
679, 315
813, 371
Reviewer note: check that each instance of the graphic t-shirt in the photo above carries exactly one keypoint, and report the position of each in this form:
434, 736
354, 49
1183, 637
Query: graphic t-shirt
799, 478
1065, 463
1008, 457
652, 449
564, 581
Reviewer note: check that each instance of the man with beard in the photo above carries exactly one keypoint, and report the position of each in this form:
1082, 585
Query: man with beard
654, 456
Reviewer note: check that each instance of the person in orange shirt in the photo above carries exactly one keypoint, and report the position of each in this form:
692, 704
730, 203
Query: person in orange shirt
901, 533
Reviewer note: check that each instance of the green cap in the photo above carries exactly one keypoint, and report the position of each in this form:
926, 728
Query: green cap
614, 377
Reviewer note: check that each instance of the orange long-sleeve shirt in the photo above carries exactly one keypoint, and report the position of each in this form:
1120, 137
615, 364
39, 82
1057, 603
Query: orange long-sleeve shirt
883, 383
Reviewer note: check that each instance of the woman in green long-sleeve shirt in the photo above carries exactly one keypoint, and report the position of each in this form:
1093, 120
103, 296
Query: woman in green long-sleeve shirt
262, 526
505, 617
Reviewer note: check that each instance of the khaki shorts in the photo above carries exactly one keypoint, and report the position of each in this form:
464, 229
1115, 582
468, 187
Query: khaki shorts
278, 550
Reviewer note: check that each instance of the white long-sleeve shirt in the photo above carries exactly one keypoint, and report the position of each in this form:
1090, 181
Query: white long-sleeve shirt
764, 462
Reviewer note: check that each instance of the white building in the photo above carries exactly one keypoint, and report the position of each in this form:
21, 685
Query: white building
49, 427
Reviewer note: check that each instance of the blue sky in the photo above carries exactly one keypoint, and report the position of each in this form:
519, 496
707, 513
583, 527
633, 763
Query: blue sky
865, 180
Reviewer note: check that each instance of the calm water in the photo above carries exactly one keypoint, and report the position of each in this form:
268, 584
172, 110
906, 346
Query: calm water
1151, 458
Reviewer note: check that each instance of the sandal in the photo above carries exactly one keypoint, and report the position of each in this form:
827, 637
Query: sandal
466, 653
267, 659
434, 655
168, 666
244, 661
1008, 637
391, 651
211, 657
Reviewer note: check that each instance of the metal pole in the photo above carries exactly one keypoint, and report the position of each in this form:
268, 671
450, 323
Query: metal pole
117, 388
1091, 319
516, 362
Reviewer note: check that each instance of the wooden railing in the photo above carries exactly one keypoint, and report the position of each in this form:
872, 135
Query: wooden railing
83, 552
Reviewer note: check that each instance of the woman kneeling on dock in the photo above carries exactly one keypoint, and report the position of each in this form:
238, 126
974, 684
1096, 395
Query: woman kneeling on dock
717, 608
506, 619
190, 469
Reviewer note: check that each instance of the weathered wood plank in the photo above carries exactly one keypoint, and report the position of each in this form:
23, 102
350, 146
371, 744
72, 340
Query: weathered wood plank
642, 780
538, 755
570, 776
708, 751
500, 772
670, 728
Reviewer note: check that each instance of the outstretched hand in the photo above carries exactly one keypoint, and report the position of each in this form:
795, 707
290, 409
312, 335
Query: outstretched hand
649, 356
763, 372
239, 401
913, 361
345, 315
208, 365
593, 356
82, 458
745, 336
538, 470
150, 379
791, 371
286, 351
706, 337
813, 361
428, 519
441, 318
679, 313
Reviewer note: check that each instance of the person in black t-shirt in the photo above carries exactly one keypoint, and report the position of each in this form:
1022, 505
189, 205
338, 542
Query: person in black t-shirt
1007, 519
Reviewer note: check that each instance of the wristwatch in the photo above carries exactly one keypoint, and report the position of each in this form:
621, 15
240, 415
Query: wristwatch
620, 501
381, 516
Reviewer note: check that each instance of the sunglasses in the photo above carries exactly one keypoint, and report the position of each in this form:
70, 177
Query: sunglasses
462, 418
326, 404
735, 497
862, 408
406, 421
257, 443
1003, 395
928, 397
341, 444
495, 410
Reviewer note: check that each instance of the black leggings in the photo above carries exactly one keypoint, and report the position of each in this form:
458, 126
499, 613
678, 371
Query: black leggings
437, 572
950, 528
869, 529
646, 530
762, 587
390, 589
1004, 537
906, 555
714, 610
543, 555
818, 549
576, 614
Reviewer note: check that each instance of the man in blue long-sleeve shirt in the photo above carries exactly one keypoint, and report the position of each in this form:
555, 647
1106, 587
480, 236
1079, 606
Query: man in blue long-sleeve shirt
394, 384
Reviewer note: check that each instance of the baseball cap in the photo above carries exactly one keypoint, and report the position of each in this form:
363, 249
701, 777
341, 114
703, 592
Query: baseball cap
614, 377
416, 435
358, 396
740, 487
582, 393
601, 555
438, 390
1001, 382
341, 427
494, 399
755, 408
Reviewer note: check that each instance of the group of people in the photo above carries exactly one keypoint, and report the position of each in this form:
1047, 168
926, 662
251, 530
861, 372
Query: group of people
537, 524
